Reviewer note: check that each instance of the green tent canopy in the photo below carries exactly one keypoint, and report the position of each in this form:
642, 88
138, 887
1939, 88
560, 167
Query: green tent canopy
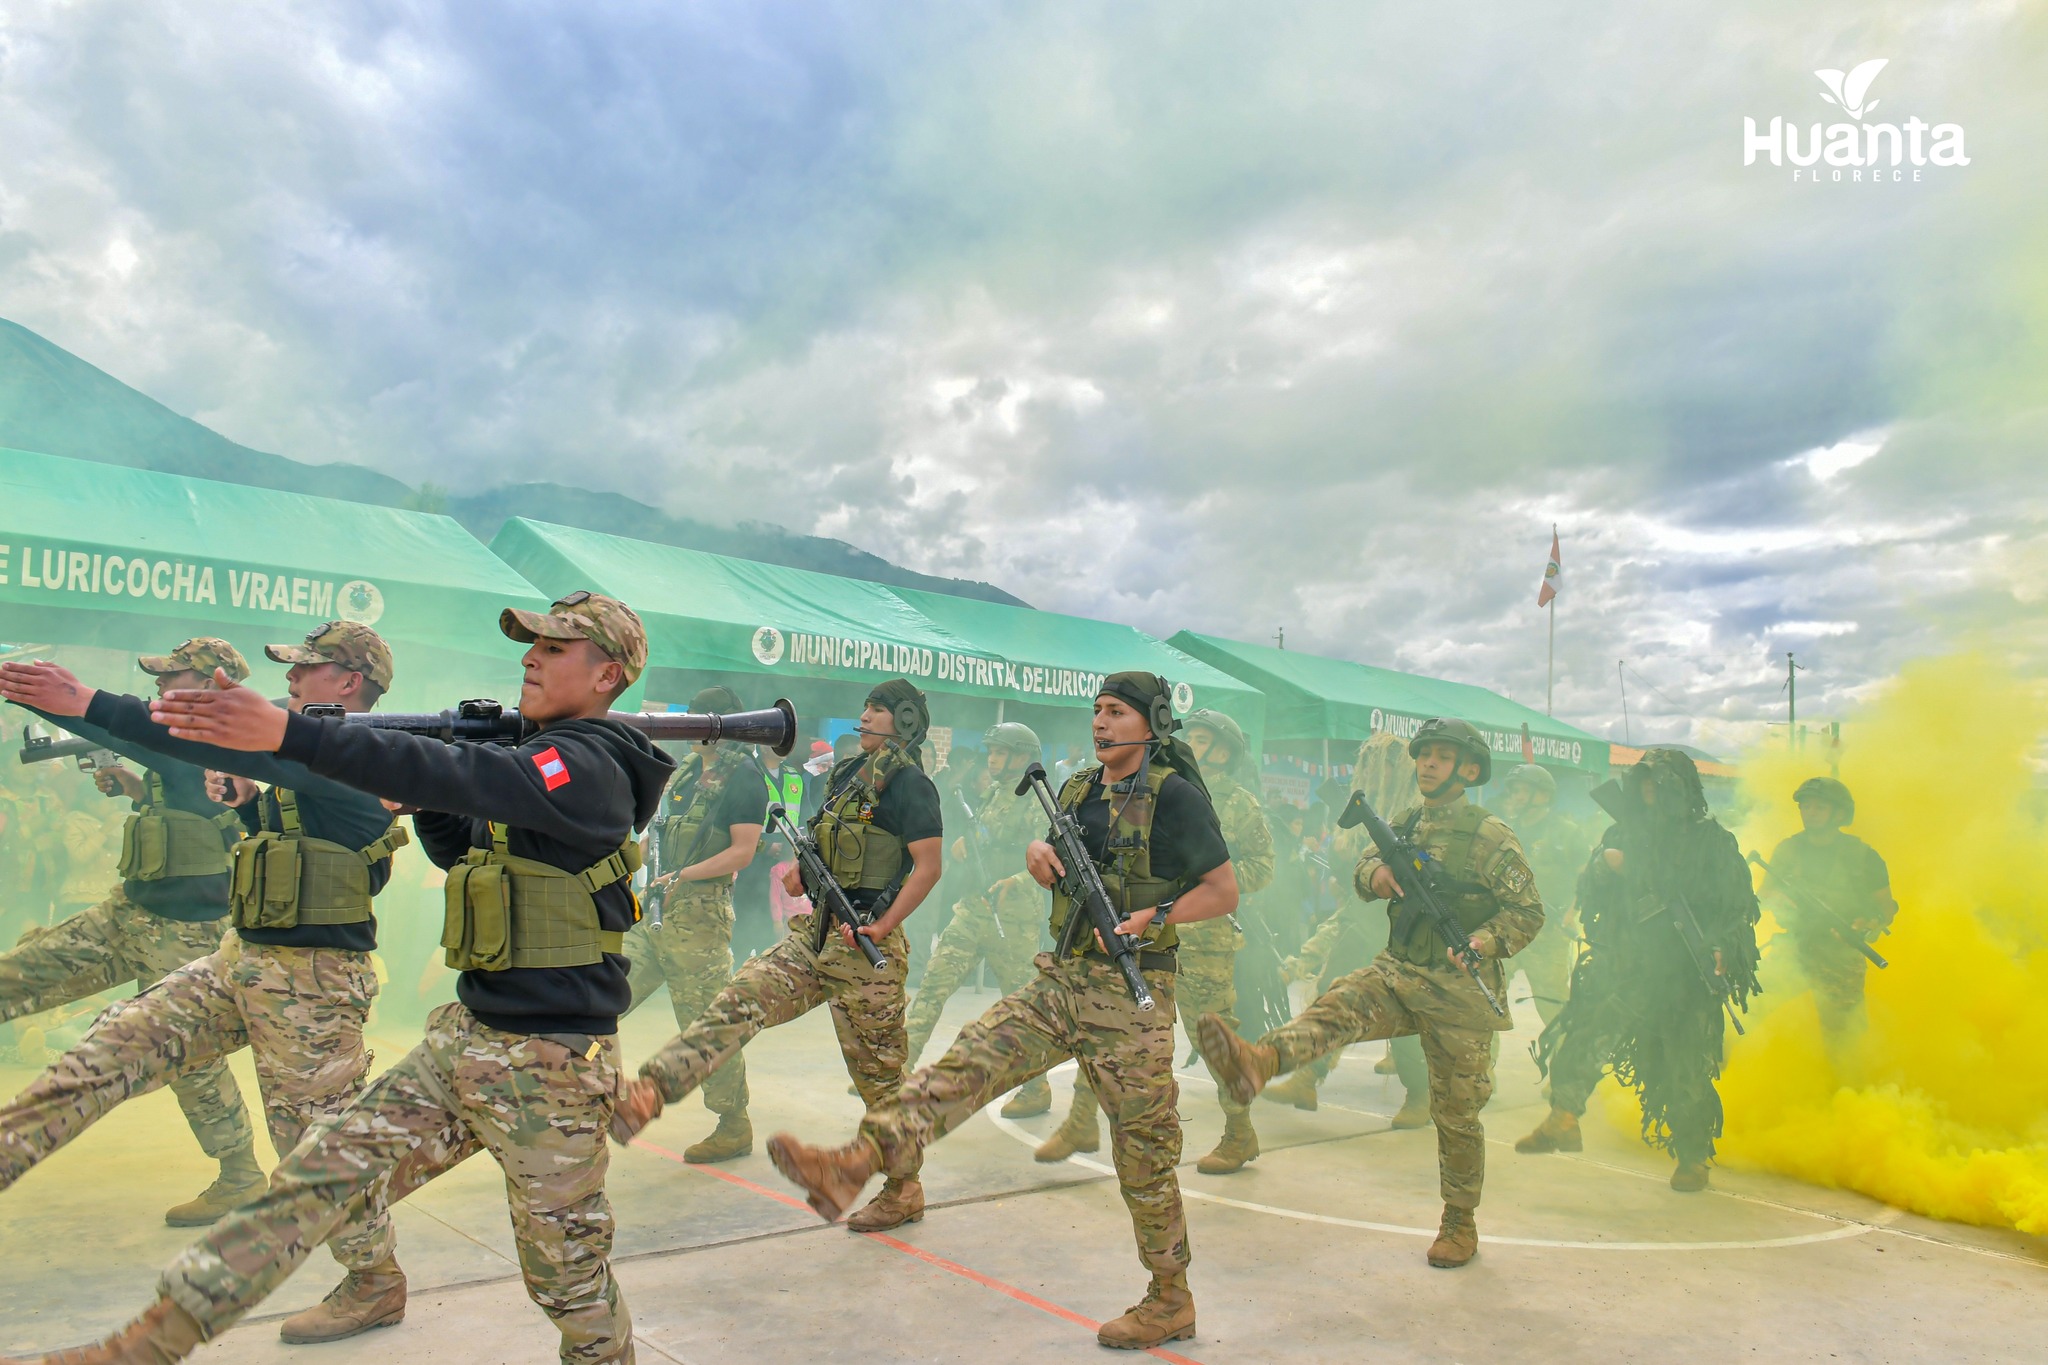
823, 639
1311, 698
127, 559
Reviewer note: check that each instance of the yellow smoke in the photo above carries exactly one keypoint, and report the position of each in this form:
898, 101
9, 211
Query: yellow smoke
1943, 1108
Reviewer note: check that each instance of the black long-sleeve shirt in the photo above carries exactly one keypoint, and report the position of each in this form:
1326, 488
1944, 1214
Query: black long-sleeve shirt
569, 797
190, 899
328, 810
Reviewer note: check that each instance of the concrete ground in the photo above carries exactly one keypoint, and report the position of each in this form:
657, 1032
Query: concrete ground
1312, 1254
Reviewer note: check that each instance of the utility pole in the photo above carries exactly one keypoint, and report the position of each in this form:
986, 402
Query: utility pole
1622, 678
1792, 672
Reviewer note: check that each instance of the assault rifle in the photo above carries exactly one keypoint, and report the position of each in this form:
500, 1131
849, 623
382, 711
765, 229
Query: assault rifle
1839, 925
1086, 895
1416, 873
1677, 910
829, 901
38, 745
484, 721
974, 836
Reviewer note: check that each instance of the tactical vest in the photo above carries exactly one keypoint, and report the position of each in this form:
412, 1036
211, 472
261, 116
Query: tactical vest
503, 911
688, 837
1411, 937
860, 854
283, 878
1127, 871
158, 842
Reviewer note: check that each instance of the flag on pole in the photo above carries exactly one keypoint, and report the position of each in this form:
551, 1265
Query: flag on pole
1551, 571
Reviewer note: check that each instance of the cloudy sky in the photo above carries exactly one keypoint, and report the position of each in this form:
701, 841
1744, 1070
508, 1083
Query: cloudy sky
1230, 317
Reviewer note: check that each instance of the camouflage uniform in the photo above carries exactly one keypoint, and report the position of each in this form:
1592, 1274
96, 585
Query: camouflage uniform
118, 941
787, 982
537, 1105
1848, 877
1398, 995
1080, 1009
300, 1011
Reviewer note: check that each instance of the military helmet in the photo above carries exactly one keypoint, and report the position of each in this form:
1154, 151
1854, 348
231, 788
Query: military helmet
1015, 735
1461, 733
1533, 776
1831, 791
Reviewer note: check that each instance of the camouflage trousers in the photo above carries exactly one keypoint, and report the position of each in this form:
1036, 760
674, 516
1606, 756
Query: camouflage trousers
1390, 998
299, 1011
115, 942
1205, 984
1547, 961
692, 954
1001, 930
1080, 1009
787, 982
1837, 974
537, 1104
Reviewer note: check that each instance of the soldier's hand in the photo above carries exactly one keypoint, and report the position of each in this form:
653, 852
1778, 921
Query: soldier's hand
47, 687
639, 1104
1131, 927
1718, 965
1385, 884
117, 779
1042, 863
397, 807
227, 715
1611, 859
228, 789
793, 882
1474, 943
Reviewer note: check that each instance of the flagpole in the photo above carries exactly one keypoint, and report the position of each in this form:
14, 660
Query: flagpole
1550, 662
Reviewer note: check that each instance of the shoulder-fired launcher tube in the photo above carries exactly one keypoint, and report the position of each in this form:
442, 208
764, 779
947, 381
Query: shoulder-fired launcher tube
485, 721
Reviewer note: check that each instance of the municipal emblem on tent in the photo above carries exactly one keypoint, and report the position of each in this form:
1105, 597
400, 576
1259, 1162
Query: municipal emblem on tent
768, 646
1183, 698
359, 602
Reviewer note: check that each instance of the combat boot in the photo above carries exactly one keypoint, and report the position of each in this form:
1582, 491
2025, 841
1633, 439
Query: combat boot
364, 1299
1297, 1088
1559, 1132
900, 1202
1413, 1113
1032, 1099
1080, 1133
240, 1181
1239, 1147
1457, 1239
731, 1139
1166, 1314
1386, 1065
1241, 1068
830, 1177
161, 1335
1690, 1177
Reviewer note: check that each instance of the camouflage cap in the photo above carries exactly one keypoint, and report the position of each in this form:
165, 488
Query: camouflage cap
350, 644
606, 622
201, 654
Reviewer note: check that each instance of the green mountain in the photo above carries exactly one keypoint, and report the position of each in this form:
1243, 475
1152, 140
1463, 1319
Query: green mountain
52, 401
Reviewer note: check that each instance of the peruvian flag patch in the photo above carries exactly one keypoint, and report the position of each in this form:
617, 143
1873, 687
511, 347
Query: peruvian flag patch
553, 771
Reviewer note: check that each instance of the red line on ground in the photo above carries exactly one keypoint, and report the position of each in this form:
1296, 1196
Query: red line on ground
932, 1259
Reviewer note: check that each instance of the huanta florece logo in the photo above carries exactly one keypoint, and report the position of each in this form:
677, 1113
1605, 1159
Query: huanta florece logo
1851, 153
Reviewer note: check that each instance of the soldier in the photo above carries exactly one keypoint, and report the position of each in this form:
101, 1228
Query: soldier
879, 833
166, 911
293, 983
1824, 869
1147, 796
1556, 849
997, 922
539, 839
1353, 936
708, 829
1638, 1002
1416, 985
1206, 981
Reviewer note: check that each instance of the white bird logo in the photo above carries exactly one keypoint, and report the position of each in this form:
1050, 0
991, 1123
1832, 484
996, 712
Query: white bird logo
1849, 90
